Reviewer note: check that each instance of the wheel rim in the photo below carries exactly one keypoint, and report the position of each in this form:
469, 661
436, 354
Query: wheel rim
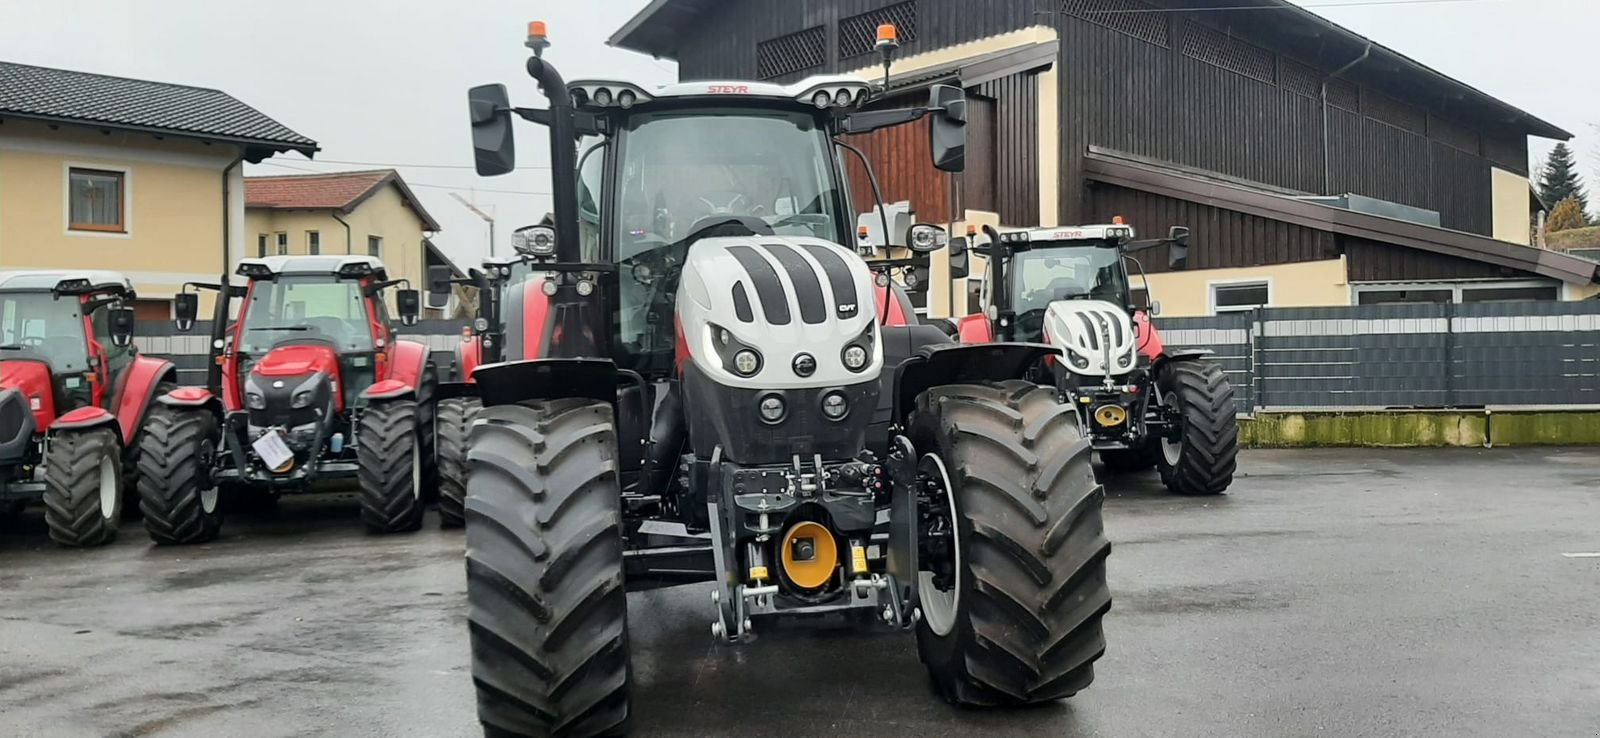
416, 466
109, 496
209, 495
1171, 450
939, 606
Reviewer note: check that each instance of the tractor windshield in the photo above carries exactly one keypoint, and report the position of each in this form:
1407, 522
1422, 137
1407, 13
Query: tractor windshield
679, 168
1088, 270
306, 306
45, 326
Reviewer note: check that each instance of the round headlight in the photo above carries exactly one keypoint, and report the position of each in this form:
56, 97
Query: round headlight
822, 99
772, 408
747, 362
805, 365
480, 325
841, 98
602, 97
835, 406
626, 99
855, 358
549, 287
301, 400
585, 288
255, 401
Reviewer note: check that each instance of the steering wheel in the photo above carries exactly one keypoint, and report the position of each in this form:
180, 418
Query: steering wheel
730, 201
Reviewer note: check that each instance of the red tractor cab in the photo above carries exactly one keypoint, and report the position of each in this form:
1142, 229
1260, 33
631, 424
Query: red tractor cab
310, 384
74, 396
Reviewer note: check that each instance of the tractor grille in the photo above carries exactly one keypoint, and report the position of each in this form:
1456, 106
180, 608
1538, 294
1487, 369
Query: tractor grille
13, 415
1094, 321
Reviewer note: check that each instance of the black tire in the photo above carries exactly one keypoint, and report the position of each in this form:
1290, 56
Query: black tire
546, 607
455, 422
180, 503
390, 467
1133, 460
427, 414
130, 455
1208, 446
79, 468
1025, 624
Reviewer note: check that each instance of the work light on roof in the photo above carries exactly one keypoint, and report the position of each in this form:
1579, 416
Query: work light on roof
254, 270
834, 95
606, 94
355, 269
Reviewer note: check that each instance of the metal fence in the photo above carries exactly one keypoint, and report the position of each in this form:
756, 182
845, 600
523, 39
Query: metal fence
1513, 354
1408, 356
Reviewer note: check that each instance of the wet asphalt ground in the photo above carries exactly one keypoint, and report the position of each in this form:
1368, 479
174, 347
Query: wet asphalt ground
1332, 593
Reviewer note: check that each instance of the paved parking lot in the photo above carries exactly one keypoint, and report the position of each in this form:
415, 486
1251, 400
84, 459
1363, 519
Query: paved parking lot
1333, 593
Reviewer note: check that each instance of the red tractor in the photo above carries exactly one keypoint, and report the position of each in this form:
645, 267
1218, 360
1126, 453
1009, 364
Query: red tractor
1144, 405
308, 384
75, 399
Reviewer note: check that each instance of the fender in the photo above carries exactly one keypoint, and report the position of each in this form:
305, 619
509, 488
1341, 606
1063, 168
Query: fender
84, 418
1183, 354
389, 389
134, 390
407, 360
975, 329
511, 382
956, 363
469, 354
189, 397
1149, 341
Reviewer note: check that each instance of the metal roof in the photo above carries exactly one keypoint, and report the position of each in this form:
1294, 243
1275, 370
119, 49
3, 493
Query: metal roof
64, 96
1184, 185
47, 279
664, 26
316, 264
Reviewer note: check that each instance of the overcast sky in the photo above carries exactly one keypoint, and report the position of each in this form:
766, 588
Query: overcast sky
384, 82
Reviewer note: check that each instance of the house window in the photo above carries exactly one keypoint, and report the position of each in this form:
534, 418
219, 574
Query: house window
1236, 296
375, 246
261, 246
95, 200
283, 244
1511, 294
313, 243
1404, 296
1444, 293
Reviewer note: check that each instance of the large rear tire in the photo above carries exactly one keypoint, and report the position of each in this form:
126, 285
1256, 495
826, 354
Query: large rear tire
180, 503
83, 487
1201, 461
390, 467
455, 422
1020, 623
546, 606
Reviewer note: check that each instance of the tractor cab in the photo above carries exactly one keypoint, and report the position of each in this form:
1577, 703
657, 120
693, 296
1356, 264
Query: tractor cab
64, 339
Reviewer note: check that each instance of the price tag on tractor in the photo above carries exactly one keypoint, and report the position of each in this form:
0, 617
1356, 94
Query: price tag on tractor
273, 451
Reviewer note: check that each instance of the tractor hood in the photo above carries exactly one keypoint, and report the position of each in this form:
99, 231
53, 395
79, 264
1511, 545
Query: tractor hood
296, 360
1098, 337
31, 380
780, 297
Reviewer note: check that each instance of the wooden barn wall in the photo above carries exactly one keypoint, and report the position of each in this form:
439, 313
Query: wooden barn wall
1218, 238
903, 161
1016, 148
1257, 115
1371, 261
724, 45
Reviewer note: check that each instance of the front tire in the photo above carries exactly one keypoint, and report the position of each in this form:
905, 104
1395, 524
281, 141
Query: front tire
390, 467
1020, 623
180, 503
83, 487
455, 422
547, 611
1202, 459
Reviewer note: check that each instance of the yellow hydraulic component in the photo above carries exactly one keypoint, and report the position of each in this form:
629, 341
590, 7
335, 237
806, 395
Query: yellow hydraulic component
858, 559
287, 465
809, 555
758, 573
1110, 415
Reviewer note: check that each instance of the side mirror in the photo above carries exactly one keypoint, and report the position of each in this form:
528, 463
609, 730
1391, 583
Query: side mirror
122, 319
960, 268
438, 287
926, 239
1179, 235
1178, 256
409, 303
494, 150
187, 306
947, 131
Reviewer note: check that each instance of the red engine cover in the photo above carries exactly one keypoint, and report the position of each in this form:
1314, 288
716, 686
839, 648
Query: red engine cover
298, 360
32, 379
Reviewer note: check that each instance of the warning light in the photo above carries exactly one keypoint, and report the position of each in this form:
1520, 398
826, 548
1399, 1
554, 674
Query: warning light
538, 37
536, 29
861, 232
972, 230
1118, 221
887, 33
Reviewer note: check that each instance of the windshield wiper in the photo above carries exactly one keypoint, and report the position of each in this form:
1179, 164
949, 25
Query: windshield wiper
280, 328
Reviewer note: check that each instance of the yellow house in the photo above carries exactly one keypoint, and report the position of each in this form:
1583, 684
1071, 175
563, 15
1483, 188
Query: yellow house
368, 212
141, 177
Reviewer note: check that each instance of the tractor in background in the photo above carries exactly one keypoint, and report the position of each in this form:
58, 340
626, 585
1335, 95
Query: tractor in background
308, 384
1144, 405
695, 395
75, 400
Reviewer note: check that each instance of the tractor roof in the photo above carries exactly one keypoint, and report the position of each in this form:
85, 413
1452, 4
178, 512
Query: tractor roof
587, 93
1073, 233
337, 265
77, 281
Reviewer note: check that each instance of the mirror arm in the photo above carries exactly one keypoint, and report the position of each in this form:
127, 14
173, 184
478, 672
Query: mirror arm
1134, 247
880, 119
376, 287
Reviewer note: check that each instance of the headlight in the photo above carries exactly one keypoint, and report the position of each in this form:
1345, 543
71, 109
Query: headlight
835, 406
255, 401
772, 409
854, 357
1126, 361
1079, 361
747, 362
302, 400
805, 365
